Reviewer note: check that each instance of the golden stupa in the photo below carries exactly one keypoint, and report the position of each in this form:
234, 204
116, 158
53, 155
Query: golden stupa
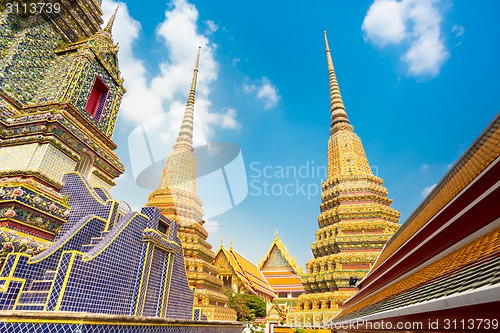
355, 222
177, 199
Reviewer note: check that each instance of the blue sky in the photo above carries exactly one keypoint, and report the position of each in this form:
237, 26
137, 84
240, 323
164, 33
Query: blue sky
420, 81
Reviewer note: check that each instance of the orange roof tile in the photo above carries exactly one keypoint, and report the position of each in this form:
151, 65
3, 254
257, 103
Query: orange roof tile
247, 272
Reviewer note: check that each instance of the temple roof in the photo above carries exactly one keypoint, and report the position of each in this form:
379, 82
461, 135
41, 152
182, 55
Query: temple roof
278, 246
280, 269
247, 272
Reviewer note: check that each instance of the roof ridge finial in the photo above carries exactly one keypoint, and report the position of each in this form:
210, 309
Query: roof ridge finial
185, 138
109, 26
337, 108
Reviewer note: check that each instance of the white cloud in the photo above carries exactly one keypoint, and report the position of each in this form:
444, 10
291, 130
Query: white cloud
167, 92
211, 226
385, 23
458, 30
124, 177
236, 60
139, 102
425, 192
424, 167
212, 26
415, 24
264, 90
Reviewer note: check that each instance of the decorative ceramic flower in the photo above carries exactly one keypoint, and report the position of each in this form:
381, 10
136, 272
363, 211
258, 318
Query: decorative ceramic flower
8, 246
37, 199
52, 207
10, 213
17, 192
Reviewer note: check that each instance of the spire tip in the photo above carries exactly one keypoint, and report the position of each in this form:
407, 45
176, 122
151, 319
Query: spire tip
109, 26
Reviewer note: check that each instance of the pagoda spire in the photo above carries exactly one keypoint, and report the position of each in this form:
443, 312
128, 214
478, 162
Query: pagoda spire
355, 221
185, 138
111, 22
337, 108
177, 199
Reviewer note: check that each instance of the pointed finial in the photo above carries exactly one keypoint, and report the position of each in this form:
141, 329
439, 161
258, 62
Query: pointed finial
221, 243
326, 42
109, 26
195, 76
185, 138
337, 108
231, 243
276, 234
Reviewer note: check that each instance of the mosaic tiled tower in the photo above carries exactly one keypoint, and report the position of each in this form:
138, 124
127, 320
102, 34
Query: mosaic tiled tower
355, 222
106, 261
60, 91
177, 199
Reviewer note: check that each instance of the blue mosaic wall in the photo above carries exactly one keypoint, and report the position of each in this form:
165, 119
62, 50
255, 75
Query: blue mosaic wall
102, 262
178, 286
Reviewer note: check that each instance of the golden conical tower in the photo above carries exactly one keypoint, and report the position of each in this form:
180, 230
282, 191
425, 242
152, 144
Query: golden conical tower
177, 199
355, 222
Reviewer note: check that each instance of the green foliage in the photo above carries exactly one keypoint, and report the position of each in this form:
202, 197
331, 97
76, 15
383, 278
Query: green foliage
247, 306
300, 330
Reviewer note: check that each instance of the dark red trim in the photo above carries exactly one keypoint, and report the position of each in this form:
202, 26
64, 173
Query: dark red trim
27, 230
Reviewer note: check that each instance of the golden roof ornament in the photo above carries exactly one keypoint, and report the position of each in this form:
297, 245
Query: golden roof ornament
337, 108
111, 22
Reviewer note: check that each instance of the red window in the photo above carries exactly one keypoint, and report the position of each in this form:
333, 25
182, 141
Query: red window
97, 99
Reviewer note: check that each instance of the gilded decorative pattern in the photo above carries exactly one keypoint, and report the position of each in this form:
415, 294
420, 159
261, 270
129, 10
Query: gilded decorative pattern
280, 255
11, 242
18, 131
48, 64
29, 58
97, 181
35, 200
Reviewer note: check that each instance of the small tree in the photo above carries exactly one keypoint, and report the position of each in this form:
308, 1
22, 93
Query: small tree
256, 305
247, 306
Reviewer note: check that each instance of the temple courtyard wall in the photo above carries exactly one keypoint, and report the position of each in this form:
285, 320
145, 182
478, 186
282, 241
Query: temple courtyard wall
77, 322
